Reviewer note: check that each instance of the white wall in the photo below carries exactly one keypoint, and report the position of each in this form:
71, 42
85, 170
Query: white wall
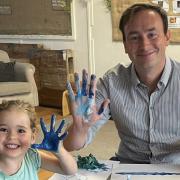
107, 52
93, 46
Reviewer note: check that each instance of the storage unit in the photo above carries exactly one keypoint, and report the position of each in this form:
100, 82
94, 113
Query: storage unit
53, 69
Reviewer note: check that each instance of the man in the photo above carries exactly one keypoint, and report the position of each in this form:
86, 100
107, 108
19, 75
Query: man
144, 97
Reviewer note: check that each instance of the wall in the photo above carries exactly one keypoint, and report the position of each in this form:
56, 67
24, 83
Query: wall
108, 53
93, 46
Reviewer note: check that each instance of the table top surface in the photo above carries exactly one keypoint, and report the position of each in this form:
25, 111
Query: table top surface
125, 172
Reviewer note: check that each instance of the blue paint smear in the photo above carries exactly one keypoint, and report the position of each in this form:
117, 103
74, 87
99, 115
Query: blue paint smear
91, 93
148, 173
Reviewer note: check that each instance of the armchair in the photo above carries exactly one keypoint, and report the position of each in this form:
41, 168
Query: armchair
23, 86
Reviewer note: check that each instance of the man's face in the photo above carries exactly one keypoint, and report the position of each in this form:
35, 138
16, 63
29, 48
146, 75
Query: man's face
145, 40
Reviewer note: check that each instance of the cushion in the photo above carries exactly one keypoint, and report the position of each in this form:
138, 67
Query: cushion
14, 88
7, 71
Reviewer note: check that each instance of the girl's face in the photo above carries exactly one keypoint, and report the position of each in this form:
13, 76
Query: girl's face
15, 134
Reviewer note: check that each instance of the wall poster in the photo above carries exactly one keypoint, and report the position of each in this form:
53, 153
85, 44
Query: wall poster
32, 17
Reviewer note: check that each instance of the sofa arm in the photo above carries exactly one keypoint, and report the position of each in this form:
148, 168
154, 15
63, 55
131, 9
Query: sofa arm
24, 72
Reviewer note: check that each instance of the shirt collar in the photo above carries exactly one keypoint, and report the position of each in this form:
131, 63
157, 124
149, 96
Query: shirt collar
164, 77
134, 77
166, 73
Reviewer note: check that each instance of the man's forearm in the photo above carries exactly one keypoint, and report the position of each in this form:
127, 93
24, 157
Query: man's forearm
75, 139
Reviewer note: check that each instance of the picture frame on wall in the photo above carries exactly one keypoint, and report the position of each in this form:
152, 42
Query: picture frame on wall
40, 19
172, 7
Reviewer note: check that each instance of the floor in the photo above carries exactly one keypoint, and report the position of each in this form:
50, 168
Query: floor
104, 145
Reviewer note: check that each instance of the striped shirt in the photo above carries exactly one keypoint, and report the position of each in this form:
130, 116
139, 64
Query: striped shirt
148, 125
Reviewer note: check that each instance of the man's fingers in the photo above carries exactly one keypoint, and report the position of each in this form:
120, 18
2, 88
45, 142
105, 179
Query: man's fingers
103, 106
70, 92
77, 84
92, 86
84, 82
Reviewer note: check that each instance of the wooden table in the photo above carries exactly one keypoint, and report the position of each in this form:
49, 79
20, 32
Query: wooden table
44, 175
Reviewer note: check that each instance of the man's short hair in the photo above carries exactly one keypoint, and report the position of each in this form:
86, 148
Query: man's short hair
134, 9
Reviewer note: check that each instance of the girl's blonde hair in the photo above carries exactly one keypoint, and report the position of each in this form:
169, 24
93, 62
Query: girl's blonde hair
22, 106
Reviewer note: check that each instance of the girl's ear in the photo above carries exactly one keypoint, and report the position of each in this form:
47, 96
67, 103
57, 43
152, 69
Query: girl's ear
33, 136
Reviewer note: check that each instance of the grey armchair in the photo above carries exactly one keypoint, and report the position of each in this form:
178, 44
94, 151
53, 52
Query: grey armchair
23, 86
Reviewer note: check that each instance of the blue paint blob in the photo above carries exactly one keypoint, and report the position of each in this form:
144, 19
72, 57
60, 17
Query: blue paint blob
84, 85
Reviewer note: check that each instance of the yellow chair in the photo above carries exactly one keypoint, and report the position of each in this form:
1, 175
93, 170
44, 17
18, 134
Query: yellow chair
65, 104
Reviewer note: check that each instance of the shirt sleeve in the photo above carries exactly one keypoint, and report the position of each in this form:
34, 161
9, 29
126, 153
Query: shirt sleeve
34, 158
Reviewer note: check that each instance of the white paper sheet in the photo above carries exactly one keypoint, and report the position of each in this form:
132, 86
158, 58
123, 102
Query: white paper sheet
115, 167
146, 169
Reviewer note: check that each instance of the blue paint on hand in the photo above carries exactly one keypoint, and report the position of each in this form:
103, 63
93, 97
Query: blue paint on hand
51, 139
84, 83
77, 84
91, 91
83, 103
101, 109
70, 91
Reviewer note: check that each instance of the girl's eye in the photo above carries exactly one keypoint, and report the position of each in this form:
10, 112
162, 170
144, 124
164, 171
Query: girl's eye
3, 130
21, 131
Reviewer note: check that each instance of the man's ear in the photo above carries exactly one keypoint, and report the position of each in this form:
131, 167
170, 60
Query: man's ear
168, 37
125, 47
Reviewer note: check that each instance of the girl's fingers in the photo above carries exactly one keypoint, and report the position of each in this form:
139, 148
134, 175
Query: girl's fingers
53, 121
43, 126
60, 126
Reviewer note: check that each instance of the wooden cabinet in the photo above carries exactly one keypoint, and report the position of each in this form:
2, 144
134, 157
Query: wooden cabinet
53, 69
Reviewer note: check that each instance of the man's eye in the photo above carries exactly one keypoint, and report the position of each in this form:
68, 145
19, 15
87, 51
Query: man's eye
152, 35
21, 131
3, 130
133, 38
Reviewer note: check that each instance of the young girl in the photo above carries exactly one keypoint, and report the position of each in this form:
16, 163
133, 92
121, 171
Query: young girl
17, 133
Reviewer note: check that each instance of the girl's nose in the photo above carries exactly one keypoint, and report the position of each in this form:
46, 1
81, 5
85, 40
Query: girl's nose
12, 134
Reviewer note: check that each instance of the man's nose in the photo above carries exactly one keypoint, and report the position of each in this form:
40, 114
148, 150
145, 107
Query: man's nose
144, 42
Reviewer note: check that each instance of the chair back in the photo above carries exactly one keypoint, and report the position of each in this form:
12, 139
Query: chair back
65, 104
4, 56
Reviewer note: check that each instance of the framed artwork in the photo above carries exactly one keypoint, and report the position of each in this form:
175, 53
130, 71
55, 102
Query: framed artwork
172, 7
37, 19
